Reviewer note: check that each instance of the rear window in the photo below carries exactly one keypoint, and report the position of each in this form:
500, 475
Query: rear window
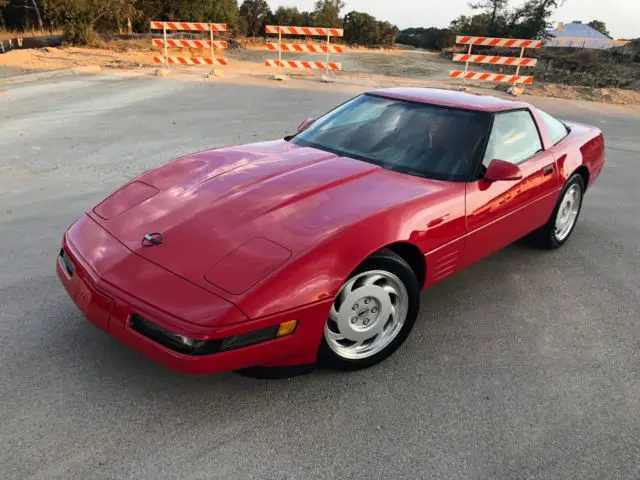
556, 129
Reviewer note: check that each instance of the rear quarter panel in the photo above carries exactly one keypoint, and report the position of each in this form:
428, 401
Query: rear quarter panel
583, 147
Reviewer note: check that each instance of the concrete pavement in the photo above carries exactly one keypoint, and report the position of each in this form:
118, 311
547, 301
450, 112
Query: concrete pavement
524, 366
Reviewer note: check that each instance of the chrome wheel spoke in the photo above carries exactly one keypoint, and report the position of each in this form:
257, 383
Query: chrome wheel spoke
371, 280
333, 313
336, 337
346, 290
391, 290
394, 312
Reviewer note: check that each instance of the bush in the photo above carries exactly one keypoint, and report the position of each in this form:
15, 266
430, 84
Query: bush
428, 38
81, 34
364, 29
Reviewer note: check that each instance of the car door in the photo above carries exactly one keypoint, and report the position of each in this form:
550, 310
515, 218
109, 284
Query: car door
499, 213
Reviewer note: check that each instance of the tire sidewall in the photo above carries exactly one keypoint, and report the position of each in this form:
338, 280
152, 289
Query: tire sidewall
384, 260
575, 179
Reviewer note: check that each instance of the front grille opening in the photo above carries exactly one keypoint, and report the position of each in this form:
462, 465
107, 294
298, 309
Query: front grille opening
66, 263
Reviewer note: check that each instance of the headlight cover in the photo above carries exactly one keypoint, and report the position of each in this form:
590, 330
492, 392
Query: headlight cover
124, 199
247, 265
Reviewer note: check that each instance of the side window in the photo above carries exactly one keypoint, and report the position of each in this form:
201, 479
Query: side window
556, 129
514, 138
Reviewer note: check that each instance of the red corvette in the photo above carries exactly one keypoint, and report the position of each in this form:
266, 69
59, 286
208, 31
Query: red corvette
315, 247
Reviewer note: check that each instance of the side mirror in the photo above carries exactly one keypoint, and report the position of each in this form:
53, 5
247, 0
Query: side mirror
304, 125
501, 171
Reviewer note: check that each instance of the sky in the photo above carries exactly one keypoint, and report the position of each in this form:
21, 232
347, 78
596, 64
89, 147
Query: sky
621, 16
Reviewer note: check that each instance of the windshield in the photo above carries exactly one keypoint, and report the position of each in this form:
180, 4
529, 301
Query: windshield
409, 137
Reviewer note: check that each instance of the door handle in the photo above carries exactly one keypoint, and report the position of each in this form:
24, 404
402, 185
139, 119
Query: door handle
548, 170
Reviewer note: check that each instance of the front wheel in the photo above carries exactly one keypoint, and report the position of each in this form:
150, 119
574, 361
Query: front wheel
565, 216
372, 315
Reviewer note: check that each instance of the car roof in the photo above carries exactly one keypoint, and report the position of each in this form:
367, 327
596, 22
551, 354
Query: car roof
451, 98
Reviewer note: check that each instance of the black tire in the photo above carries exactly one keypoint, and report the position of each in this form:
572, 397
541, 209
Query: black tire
388, 261
545, 237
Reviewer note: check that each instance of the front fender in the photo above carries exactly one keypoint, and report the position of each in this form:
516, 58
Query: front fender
318, 273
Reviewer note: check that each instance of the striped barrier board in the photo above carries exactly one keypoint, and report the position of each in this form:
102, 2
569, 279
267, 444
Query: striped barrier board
491, 77
212, 44
191, 61
219, 44
296, 47
327, 49
515, 61
303, 65
309, 31
189, 26
499, 42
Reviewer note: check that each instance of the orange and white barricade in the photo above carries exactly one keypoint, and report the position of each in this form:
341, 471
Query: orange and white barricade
517, 62
212, 44
326, 48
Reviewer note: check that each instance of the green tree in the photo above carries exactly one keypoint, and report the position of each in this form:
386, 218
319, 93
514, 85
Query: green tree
495, 12
533, 18
219, 11
155, 10
360, 28
477, 25
225, 11
289, 16
599, 26
3, 4
21, 14
429, 38
363, 29
308, 19
387, 34
495, 20
254, 15
327, 13
79, 18
36, 8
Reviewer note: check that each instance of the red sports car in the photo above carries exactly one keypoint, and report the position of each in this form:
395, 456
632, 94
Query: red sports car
273, 256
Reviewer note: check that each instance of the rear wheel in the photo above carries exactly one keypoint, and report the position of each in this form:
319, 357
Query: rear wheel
372, 315
565, 216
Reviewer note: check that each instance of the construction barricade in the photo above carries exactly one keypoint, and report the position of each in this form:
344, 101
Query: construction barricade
326, 48
212, 44
517, 62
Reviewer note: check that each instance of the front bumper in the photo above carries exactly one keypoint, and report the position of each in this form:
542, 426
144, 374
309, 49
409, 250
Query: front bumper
111, 309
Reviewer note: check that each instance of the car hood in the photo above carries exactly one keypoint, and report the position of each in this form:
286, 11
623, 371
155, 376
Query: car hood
229, 217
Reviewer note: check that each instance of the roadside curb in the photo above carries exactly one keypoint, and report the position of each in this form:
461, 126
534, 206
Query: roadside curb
48, 74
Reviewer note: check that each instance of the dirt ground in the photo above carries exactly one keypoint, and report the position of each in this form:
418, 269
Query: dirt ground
397, 67
606, 95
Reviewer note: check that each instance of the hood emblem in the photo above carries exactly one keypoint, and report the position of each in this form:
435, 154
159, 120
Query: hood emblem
152, 239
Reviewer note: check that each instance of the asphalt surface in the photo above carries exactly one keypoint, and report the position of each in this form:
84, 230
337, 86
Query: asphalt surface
525, 366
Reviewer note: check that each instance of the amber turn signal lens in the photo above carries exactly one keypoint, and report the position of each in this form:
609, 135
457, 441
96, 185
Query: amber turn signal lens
287, 328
